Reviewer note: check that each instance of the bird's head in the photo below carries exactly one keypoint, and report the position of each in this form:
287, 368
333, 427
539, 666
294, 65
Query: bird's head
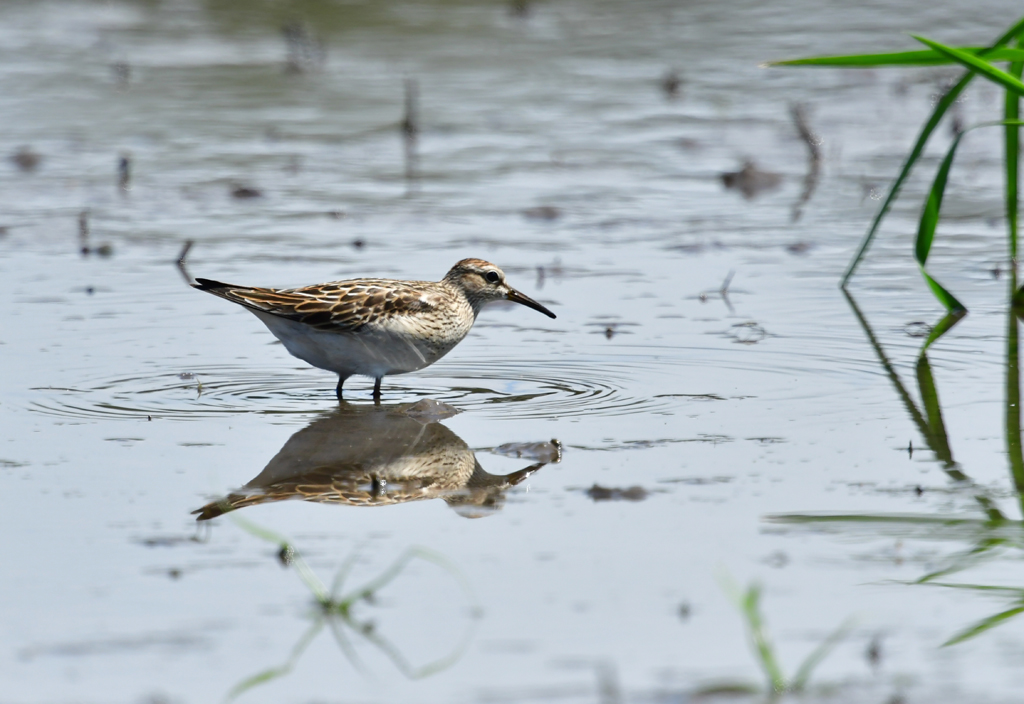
483, 282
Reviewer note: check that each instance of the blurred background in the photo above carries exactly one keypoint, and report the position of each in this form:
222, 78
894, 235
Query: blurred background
711, 467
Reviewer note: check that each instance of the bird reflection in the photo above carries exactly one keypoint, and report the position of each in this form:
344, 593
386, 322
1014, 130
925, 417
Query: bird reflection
375, 456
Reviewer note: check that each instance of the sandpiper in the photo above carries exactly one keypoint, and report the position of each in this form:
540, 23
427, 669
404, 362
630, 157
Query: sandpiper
376, 327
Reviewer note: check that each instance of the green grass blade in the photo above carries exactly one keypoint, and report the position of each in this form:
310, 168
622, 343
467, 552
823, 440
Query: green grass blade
930, 221
817, 655
938, 439
900, 58
984, 625
1012, 415
1007, 591
301, 568
922, 139
933, 206
1011, 113
751, 605
926, 229
946, 298
941, 328
976, 64
274, 673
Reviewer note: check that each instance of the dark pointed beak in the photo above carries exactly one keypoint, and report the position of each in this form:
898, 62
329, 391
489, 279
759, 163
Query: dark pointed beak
514, 295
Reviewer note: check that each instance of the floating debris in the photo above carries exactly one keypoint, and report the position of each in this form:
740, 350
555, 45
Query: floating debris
122, 72
873, 654
751, 181
83, 233
124, 173
519, 8
26, 159
543, 212
306, 53
602, 493
245, 192
671, 82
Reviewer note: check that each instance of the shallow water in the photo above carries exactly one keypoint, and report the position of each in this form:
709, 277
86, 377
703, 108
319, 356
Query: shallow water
701, 438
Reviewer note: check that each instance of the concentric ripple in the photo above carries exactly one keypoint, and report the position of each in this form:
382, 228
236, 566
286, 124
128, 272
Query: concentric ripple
524, 389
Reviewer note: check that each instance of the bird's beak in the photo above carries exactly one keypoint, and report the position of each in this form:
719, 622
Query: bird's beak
514, 295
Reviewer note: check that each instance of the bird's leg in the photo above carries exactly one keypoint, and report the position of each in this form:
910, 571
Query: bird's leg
337, 390
376, 389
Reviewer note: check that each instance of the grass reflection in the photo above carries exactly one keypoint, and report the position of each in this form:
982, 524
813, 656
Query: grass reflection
986, 538
749, 603
336, 610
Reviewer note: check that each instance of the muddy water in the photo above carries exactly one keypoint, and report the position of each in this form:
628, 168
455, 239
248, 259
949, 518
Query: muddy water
700, 438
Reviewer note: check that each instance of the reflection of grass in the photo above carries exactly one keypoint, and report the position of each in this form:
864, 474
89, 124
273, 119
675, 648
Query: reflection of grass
336, 611
986, 537
749, 603
978, 62
989, 622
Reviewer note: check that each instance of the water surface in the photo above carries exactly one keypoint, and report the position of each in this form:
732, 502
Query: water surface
701, 436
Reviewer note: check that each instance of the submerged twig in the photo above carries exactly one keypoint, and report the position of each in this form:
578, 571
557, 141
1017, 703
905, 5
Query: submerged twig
813, 143
181, 260
410, 127
83, 233
723, 292
124, 173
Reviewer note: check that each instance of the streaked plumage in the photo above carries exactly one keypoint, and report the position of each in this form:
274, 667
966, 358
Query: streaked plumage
375, 327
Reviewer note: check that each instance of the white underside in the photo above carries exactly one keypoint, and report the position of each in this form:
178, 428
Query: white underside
373, 353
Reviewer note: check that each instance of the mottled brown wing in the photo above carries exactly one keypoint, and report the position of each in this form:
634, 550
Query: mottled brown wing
341, 306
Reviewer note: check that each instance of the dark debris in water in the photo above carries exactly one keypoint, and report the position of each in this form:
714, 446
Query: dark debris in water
698, 481
122, 73
245, 192
306, 53
179, 641
543, 212
26, 159
167, 541
751, 181
767, 440
671, 82
604, 493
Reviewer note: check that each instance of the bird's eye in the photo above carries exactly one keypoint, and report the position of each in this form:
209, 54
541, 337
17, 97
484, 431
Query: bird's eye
492, 276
